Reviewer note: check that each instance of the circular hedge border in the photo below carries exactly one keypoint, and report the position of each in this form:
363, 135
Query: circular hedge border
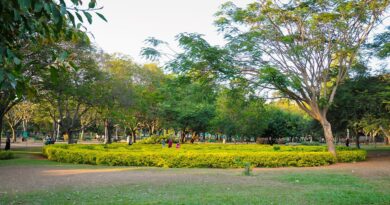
148, 155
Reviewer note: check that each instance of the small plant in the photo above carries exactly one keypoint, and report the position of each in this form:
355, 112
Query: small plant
6, 155
247, 169
276, 148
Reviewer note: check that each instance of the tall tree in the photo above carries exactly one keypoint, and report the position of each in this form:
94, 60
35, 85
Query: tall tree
21, 113
69, 85
301, 48
28, 22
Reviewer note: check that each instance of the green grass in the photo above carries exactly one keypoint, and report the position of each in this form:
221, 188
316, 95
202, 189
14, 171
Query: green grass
210, 186
263, 188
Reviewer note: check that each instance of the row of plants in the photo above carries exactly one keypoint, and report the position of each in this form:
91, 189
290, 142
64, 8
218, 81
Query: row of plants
209, 148
196, 156
6, 155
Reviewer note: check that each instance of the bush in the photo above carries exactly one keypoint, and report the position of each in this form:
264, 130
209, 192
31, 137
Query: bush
155, 139
199, 155
6, 155
351, 155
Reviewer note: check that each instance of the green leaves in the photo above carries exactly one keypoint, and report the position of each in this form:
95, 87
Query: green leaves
24, 4
79, 17
38, 6
17, 61
92, 4
101, 16
89, 17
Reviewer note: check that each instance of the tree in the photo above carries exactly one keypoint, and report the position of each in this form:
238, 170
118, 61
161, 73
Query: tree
21, 113
361, 105
187, 105
303, 49
69, 85
30, 22
240, 113
310, 46
381, 44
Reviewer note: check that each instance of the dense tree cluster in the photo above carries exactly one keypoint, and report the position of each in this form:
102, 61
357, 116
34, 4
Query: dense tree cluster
54, 82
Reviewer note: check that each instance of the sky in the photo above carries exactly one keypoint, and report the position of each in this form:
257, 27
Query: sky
130, 22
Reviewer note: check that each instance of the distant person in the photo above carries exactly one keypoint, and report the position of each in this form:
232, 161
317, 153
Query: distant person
347, 142
169, 143
178, 145
162, 143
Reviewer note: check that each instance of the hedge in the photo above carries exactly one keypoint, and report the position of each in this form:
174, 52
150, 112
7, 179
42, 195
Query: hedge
6, 155
195, 156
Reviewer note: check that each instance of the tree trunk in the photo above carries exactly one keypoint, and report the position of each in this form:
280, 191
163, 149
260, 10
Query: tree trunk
82, 134
24, 125
329, 136
134, 135
55, 129
387, 135
183, 137
70, 141
13, 134
1, 128
107, 137
116, 133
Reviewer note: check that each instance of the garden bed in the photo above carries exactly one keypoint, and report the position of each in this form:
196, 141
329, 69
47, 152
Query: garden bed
200, 155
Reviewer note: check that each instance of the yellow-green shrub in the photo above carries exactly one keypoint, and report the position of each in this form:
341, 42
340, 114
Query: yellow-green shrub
6, 155
351, 155
199, 155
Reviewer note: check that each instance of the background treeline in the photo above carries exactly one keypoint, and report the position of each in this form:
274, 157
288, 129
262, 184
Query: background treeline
82, 93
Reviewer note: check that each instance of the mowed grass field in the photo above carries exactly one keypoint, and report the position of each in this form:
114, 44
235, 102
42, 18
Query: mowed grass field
31, 179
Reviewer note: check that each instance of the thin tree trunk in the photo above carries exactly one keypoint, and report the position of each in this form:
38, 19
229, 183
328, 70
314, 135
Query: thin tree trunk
134, 135
1, 128
387, 135
70, 141
329, 136
183, 137
358, 141
116, 133
107, 139
82, 134
24, 126
13, 134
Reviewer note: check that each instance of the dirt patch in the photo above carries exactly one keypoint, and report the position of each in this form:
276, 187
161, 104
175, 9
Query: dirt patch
377, 165
65, 172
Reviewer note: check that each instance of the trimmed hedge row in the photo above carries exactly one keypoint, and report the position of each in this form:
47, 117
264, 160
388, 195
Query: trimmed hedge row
92, 154
204, 148
6, 155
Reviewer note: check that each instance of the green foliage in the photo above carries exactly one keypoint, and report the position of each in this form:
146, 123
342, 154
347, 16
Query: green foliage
247, 169
213, 156
360, 105
187, 105
6, 155
38, 21
351, 155
154, 139
381, 44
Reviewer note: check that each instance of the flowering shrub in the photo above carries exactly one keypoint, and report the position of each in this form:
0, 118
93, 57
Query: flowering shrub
200, 155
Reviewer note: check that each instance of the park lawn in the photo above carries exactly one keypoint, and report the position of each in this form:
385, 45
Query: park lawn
209, 186
298, 187
204, 186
